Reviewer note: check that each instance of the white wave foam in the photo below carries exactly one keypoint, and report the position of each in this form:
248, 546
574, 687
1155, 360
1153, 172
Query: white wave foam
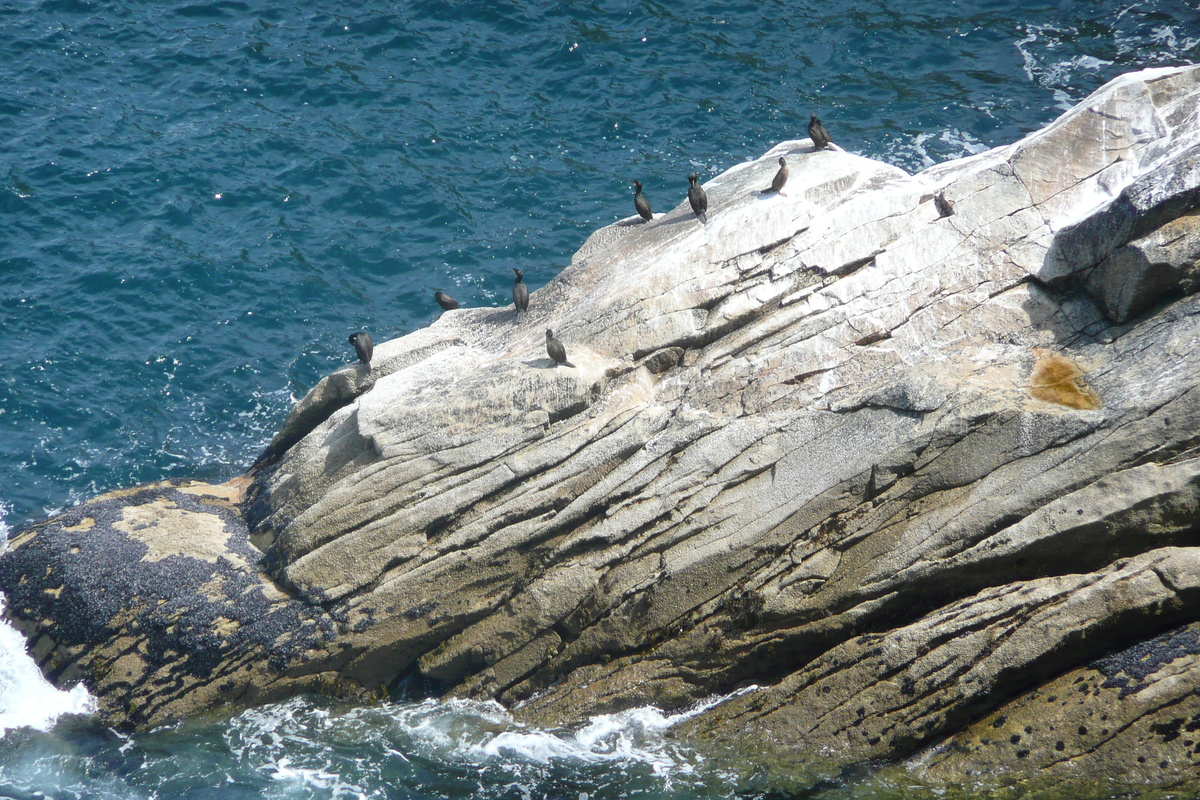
926, 149
26, 698
293, 779
1139, 37
632, 736
291, 741
1042, 51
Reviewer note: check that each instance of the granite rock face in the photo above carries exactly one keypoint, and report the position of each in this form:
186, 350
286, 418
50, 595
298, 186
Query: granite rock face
910, 473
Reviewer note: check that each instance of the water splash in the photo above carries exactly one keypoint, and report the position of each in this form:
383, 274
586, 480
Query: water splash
26, 698
307, 743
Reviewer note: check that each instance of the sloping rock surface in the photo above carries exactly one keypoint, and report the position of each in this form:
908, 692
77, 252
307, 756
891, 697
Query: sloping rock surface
908, 472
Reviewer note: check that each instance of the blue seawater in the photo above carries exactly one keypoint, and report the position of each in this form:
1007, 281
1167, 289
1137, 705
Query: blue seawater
200, 200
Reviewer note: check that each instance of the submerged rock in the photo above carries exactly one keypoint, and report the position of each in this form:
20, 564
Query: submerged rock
908, 473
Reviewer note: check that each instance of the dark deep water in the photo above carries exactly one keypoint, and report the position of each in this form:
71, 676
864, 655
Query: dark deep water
199, 201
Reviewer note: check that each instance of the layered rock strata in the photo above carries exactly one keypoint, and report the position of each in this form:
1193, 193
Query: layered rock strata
912, 474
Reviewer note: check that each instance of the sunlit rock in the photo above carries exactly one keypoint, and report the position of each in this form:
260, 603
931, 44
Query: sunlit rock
906, 472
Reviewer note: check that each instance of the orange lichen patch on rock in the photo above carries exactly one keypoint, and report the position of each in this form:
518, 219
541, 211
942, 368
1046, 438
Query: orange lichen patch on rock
1058, 380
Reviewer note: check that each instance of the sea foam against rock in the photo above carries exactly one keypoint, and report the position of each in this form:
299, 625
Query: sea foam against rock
26, 698
304, 742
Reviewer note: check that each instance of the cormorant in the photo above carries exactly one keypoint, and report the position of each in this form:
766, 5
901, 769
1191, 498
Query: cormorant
818, 134
363, 346
777, 183
520, 293
556, 351
698, 198
444, 300
944, 207
641, 203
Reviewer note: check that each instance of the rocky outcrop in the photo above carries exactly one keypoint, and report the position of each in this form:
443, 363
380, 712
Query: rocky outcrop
153, 598
911, 473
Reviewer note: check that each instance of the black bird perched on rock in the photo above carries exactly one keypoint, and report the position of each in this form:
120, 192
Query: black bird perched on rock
780, 179
641, 203
556, 351
520, 293
818, 134
444, 300
944, 207
698, 198
363, 346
